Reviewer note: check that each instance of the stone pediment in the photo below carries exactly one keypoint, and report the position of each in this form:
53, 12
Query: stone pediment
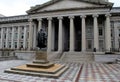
67, 4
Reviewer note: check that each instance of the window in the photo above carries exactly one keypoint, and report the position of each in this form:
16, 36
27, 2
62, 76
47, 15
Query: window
16, 35
9, 44
15, 44
89, 31
4, 45
100, 32
22, 35
5, 36
21, 45
22, 28
111, 32
16, 28
10, 28
10, 36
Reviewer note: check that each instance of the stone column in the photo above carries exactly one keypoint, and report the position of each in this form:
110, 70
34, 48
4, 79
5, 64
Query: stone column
108, 33
60, 36
30, 41
12, 40
1, 46
39, 24
72, 34
18, 38
34, 34
25, 37
116, 34
96, 34
7, 37
49, 41
83, 33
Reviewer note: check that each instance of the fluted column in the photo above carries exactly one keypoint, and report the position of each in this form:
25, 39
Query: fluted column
7, 37
60, 41
12, 40
39, 24
108, 33
30, 44
83, 33
49, 41
1, 46
96, 36
72, 34
25, 37
18, 38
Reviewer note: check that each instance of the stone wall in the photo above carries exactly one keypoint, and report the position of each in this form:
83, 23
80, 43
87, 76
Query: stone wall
25, 55
105, 58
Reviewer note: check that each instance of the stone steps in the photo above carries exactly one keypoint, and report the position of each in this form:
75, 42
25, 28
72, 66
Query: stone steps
39, 68
56, 75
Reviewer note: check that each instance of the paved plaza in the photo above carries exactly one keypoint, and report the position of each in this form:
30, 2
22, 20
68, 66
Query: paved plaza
77, 72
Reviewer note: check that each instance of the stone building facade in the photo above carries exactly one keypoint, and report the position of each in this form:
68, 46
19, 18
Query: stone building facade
71, 26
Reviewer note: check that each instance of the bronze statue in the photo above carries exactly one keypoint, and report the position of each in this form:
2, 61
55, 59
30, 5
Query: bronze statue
41, 39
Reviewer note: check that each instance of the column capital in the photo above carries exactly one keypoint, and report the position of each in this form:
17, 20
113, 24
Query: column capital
83, 16
95, 15
39, 19
60, 17
49, 18
108, 15
71, 17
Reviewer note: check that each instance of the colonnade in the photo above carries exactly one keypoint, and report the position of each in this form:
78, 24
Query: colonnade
72, 33
11, 35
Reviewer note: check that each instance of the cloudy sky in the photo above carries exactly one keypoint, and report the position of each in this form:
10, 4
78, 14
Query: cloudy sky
19, 7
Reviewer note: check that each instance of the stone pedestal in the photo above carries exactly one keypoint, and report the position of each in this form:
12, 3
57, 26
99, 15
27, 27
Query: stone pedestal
40, 67
40, 55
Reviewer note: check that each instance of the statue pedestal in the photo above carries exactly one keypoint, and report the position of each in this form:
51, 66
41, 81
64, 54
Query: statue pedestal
40, 55
40, 67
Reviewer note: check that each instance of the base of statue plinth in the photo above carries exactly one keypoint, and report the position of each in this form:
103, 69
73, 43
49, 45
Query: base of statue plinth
40, 67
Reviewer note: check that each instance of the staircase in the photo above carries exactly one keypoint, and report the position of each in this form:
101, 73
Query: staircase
77, 57
118, 60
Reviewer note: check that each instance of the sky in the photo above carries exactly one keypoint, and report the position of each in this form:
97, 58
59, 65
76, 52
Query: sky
19, 7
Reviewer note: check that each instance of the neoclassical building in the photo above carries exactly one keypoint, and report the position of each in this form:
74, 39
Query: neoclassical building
71, 26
